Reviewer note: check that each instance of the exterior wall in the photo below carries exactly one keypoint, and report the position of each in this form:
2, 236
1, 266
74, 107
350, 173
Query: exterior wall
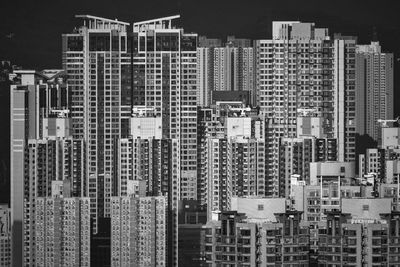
5, 236
62, 231
218, 185
167, 82
374, 88
359, 242
146, 127
390, 137
205, 75
329, 170
375, 163
19, 118
280, 99
97, 61
238, 127
139, 219
233, 239
367, 208
246, 168
209, 127
259, 208
344, 97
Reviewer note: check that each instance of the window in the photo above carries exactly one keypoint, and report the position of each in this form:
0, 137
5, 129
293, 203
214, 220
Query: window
365, 207
260, 207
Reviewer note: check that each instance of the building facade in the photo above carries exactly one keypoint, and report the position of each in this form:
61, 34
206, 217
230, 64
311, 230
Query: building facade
62, 231
165, 75
374, 90
139, 231
97, 61
235, 240
5, 236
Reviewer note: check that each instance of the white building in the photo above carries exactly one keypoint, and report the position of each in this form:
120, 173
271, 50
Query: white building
390, 137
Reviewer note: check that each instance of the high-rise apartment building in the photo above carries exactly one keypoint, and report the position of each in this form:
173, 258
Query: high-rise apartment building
225, 68
214, 176
373, 162
374, 88
233, 68
366, 234
295, 156
246, 166
97, 60
210, 130
205, 75
235, 239
5, 236
39, 110
310, 145
192, 216
147, 165
233, 167
62, 231
165, 78
231, 154
294, 70
139, 231
300, 68
344, 95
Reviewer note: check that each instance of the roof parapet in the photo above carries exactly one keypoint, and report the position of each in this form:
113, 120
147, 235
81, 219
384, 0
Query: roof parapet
159, 23
93, 22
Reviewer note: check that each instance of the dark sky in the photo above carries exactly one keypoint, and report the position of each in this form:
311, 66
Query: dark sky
37, 25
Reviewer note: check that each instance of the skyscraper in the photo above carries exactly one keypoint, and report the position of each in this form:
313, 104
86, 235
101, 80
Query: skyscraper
5, 236
62, 231
165, 78
36, 99
165, 81
139, 231
344, 95
294, 71
301, 67
97, 60
225, 71
205, 75
374, 88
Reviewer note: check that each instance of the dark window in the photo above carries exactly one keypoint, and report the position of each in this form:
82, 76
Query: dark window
99, 42
115, 41
75, 43
189, 43
167, 42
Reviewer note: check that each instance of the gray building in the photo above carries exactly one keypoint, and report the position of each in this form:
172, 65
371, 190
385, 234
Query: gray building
97, 61
139, 231
5, 235
301, 67
35, 98
374, 88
